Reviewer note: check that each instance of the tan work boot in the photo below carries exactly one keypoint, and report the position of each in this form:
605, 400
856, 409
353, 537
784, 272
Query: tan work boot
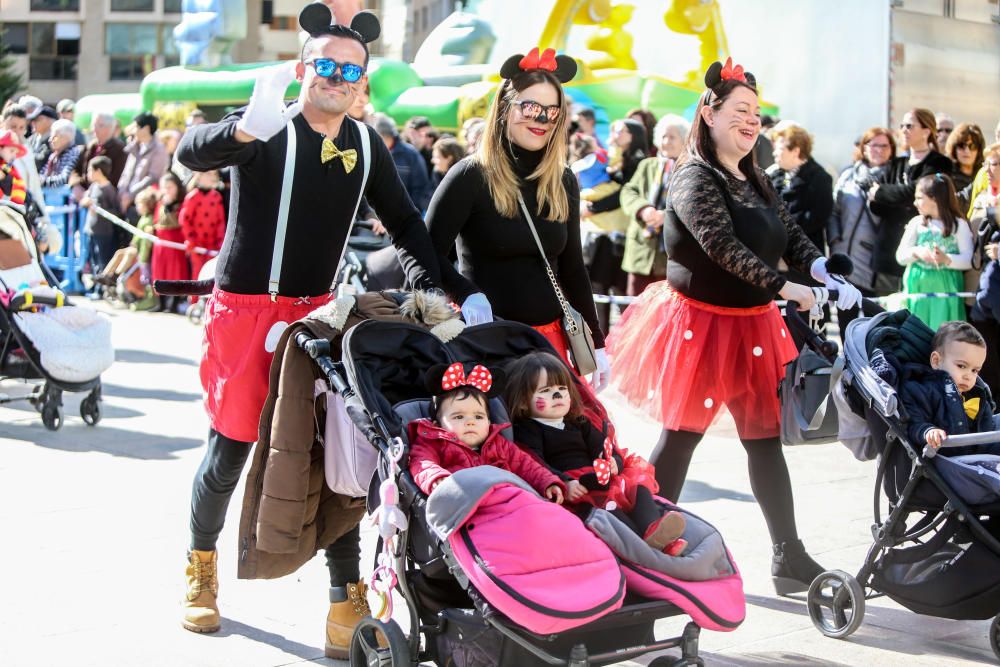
201, 611
346, 610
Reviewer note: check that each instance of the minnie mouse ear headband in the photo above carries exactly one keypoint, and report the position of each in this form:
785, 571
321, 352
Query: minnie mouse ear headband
562, 67
444, 378
717, 74
317, 20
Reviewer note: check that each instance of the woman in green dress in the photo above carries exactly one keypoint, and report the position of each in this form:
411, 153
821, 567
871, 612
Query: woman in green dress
936, 249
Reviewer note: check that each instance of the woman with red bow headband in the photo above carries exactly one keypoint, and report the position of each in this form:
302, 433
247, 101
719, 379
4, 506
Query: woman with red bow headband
518, 171
461, 436
711, 335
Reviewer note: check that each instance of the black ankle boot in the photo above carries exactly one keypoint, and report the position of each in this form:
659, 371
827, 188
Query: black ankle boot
792, 570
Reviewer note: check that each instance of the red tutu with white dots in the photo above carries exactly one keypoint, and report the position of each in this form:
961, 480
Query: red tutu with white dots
681, 360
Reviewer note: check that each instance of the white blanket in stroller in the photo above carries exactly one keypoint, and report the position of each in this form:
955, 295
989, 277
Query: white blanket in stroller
73, 343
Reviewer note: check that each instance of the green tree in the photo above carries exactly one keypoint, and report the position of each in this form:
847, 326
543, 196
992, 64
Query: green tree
11, 81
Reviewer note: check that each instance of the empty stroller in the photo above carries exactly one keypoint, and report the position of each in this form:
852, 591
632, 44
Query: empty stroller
935, 552
44, 338
474, 596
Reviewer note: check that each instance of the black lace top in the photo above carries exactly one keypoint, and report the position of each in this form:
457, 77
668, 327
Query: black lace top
707, 250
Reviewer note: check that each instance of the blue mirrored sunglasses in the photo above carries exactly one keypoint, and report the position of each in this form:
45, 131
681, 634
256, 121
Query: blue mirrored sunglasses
326, 68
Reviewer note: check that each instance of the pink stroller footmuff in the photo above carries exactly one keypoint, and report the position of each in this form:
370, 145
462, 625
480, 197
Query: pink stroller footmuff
529, 558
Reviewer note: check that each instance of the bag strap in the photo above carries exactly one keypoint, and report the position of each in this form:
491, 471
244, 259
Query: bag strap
288, 176
571, 326
836, 371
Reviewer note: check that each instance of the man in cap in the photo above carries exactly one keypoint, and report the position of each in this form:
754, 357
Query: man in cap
67, 109
41, 123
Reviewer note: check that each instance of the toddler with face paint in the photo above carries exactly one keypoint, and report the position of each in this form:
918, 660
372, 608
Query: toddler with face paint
461, 435
545, 408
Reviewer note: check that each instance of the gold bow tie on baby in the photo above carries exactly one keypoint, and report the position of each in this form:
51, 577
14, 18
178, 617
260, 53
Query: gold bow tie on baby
971, 407
331, 152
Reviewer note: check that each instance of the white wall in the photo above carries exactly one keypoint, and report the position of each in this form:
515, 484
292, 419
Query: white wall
825, 63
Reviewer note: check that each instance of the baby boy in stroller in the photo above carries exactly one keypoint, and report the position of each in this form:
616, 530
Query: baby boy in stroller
950, 398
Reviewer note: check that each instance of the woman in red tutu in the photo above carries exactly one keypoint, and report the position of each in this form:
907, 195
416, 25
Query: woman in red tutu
719, 338
169, 263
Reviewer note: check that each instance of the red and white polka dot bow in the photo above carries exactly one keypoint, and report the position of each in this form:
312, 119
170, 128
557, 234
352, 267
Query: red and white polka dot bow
602, 466
480, 378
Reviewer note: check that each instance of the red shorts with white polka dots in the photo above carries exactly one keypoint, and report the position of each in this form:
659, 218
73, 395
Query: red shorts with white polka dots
681, 360
241, 335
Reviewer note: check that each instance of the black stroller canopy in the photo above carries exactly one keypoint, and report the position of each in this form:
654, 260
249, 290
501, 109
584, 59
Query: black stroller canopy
387, 361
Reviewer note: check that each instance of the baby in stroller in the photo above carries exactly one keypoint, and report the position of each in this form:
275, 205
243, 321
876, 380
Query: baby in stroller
462, 436
547, 415
950, 398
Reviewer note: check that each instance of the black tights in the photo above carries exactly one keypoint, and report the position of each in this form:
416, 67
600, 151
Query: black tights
769, 478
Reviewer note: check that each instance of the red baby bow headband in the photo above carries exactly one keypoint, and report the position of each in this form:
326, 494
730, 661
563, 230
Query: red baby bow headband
454, 377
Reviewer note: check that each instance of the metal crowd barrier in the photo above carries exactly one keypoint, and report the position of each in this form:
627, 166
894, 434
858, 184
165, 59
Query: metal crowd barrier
66, 216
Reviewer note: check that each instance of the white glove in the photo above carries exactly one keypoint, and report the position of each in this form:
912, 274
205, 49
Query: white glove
848, 296
476, 309
266, 115
600, 378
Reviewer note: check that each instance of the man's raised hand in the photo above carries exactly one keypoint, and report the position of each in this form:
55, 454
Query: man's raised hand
266, 115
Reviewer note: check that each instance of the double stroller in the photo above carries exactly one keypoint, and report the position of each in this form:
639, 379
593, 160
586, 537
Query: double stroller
937, 548
485, 579
43, 336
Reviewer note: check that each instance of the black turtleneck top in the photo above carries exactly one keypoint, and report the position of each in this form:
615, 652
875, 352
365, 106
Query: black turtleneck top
498, 255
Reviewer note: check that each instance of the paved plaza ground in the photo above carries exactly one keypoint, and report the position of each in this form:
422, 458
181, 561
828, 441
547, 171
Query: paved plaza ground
94, 527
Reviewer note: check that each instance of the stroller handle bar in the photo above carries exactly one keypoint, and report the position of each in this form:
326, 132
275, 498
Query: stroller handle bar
964, 440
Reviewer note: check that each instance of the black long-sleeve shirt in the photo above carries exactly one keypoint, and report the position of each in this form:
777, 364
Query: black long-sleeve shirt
574, 446
319, 216
498, 256
893, 202
722, 261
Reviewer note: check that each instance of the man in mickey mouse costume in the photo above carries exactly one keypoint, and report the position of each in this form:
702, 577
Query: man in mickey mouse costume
301, 170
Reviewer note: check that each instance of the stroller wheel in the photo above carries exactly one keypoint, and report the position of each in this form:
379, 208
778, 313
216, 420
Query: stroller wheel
90, 410
995, 636
836, 604
365, 649
52, 416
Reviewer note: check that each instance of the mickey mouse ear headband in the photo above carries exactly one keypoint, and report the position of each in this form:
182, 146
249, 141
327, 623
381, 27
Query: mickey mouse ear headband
442, 378
317, 19
717, 74
562, 67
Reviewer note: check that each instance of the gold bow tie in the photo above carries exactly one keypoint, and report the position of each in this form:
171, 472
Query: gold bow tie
330, 152
971, 407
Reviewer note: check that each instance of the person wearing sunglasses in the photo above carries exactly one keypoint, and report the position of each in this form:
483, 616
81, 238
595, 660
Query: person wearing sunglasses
965, 148
254, 302
522, 155
892, 200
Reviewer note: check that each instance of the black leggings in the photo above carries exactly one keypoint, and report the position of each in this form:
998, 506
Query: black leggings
213, 487
769, 478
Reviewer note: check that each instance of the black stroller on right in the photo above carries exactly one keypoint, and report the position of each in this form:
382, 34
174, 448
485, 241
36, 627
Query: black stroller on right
935, 552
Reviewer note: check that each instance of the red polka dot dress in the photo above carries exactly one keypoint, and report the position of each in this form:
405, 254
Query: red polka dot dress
203, 221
